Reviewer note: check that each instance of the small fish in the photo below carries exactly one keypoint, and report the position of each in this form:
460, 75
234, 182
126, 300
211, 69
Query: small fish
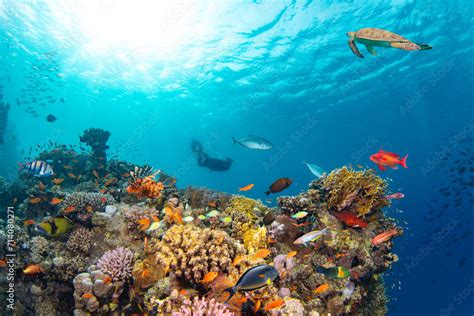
154, 226
395, 196
41, 186
254, 142
209, 277
33, 269
87, 295
334, 272
3, 263
144, 223
385, 159
226, 219
301, 225
38, 168
383, 237
202, 217
350, 219
322, 288
238, 259
70, 208
274, 304
67, 167
146, 272
71, 175
55, 201
315, 170
256, 308
292, 254
58, 181
212, 213
214, 204
262, 253
29, 222
96, 174
299, 215
108, 182
186, 292
250, 280
311, 236
51, 118
107, 279
241, 301
247, 187
34, 200
279, 185
188, 219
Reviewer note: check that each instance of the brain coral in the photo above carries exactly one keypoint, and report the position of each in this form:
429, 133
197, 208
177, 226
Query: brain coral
191, 252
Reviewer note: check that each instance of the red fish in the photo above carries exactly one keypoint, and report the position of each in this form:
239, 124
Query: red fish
350, 219
383, 237
396, 196
385, 159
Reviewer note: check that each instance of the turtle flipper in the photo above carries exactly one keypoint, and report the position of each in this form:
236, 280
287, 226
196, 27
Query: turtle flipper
408, 46
371, 50
354, 48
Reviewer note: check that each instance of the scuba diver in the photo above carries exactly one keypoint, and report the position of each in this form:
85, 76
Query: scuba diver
204, 160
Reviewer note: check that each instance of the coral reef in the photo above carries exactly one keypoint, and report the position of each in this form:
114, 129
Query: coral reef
96, 139
191, 252
244, 213
203, 307
142, 183
80, 240
360, 191
117, 263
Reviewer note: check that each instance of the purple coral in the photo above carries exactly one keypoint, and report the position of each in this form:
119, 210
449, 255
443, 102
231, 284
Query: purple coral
117, 263
202, 307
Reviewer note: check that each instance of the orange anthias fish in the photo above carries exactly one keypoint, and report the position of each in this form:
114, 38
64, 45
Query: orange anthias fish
155, 218
256, 308
55, 201
383, 237
3, 263
58, 181
274, 304
214, 204
146, 272
107, 279
247, 187
291, 254
29, 222
33, 269
71, 175
35, 200
144, 223
322, 288
69, 209
385, 159
237, 260
87, 295
209, 277
241, 301
262, 253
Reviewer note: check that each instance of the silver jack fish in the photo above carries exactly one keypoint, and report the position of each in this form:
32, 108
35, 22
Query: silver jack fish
254, 142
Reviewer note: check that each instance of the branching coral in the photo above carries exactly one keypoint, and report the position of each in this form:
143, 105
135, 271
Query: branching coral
39, 249
203, 307
191, 252
359, 191
80, 240
117, 263
87, 201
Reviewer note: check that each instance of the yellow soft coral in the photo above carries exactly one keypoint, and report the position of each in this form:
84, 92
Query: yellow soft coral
359, 191
243, 212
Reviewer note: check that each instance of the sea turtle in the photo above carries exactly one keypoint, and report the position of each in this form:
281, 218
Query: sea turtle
371, 37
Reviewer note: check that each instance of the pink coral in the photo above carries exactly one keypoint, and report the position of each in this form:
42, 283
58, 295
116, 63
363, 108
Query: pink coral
202, 307
117, 263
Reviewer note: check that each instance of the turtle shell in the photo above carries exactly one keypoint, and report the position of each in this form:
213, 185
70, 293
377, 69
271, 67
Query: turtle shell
374, 34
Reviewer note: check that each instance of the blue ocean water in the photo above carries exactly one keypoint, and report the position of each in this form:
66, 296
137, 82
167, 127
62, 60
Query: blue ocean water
158, 74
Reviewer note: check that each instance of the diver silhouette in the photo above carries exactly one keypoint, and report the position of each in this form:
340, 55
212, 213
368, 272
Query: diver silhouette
204, 160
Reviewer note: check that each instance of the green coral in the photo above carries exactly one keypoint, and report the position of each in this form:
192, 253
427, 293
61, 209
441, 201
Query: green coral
359, 191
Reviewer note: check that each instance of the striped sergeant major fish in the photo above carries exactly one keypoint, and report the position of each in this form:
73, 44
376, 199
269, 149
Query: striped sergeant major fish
38, 168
